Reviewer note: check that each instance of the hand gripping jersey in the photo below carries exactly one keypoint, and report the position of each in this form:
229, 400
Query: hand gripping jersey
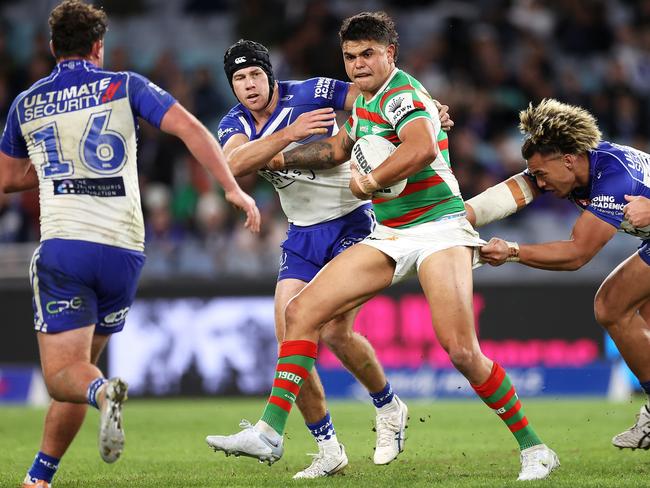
78, 126
431, 193
614, 171
307, 196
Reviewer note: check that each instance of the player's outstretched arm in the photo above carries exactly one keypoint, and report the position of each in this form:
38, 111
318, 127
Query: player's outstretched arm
637, 211
17, 174
253, 155
179, 122
589, 235
323, 154
501, 200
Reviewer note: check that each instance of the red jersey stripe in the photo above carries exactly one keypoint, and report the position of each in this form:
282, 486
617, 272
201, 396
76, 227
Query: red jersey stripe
412, 215
394, 90
444, 144
362, 113
415, 187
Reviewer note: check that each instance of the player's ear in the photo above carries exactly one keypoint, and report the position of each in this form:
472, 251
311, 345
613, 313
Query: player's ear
390, 53
569, 160
52, 49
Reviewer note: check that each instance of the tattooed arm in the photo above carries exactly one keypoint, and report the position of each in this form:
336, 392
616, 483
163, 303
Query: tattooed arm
323, 154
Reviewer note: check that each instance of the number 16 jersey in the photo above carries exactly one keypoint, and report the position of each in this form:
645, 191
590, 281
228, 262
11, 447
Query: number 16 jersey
79, 128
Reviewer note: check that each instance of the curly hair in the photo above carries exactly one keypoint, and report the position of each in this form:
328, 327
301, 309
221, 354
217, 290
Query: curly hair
373, 26
553, 127
75, 26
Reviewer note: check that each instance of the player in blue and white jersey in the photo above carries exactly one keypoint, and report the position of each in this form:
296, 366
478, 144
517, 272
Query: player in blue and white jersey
74, 136
567, 157
324, 217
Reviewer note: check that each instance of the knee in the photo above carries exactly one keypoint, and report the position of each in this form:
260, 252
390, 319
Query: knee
294, 315
606, 311
463, 357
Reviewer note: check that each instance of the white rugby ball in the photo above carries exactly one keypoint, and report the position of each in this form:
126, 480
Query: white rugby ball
367, 154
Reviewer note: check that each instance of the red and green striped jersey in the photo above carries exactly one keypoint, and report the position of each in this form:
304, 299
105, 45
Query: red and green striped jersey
431, 193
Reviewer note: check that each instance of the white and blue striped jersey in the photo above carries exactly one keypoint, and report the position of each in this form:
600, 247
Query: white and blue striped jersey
79, 128
307, 196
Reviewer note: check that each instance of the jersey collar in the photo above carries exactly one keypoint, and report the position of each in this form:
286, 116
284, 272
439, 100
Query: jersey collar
71, 64
383, 87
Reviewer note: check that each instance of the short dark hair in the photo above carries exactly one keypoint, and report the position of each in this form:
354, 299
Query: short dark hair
370, 26
75, 26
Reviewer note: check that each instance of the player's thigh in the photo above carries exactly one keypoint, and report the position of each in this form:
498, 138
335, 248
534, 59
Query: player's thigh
446, 279
343, 284
625, 290
58, 351
285, 290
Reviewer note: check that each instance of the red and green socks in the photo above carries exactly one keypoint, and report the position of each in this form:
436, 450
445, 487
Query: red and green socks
295, 361
499, 394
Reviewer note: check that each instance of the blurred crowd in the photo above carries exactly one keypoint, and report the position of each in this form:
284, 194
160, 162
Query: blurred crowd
486, 59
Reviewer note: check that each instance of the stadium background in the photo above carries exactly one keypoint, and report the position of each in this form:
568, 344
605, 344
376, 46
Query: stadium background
202, 323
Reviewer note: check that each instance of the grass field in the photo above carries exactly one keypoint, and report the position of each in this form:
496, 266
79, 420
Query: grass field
454, 444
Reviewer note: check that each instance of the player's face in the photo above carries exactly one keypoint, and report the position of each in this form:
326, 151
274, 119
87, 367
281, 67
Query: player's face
368, 64
251, 87
554, 173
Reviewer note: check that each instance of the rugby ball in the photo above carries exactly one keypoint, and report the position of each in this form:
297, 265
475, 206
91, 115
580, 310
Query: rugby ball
367, 154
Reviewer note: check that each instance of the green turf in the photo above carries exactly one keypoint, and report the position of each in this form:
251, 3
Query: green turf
454, 444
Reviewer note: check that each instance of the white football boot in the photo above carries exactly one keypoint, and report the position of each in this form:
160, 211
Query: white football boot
537, 462
390, 424
249, 442
111, 433
637, 436
328, 461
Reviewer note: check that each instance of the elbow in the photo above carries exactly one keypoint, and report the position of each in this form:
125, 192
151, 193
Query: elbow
576, 263
237, 168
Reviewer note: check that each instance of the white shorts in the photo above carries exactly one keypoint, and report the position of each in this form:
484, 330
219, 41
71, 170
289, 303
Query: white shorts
411, 246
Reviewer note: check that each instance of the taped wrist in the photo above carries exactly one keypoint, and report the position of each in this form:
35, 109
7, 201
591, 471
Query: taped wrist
513, 252
501, 200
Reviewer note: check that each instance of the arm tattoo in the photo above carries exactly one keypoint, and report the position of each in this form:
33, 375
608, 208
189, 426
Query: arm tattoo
316, 155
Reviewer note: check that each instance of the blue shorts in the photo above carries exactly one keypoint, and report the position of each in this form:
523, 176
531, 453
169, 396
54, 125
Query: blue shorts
80, 283
307, 249
644, 251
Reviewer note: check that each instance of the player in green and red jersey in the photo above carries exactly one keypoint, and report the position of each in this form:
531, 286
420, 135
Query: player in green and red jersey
423, 231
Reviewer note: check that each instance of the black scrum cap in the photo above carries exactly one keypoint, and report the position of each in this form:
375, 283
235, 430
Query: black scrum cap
244, 54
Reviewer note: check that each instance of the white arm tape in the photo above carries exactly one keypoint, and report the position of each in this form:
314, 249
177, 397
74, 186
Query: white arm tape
501, 200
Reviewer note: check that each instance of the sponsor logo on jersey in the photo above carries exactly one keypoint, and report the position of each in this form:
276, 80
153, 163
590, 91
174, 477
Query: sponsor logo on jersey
399, 107
606, 202
96, 187
224, 132
115, 318
323, 88
68, 99
55, 307
286, 98
240, 60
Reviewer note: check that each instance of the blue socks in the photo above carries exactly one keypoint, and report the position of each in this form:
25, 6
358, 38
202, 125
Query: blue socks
91, 394
323, 430
44, 467
383, 397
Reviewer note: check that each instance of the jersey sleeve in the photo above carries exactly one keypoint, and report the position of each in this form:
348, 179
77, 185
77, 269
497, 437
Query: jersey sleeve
401, 105
608, 191
148, 100
326, 92
13, 143
228, 127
